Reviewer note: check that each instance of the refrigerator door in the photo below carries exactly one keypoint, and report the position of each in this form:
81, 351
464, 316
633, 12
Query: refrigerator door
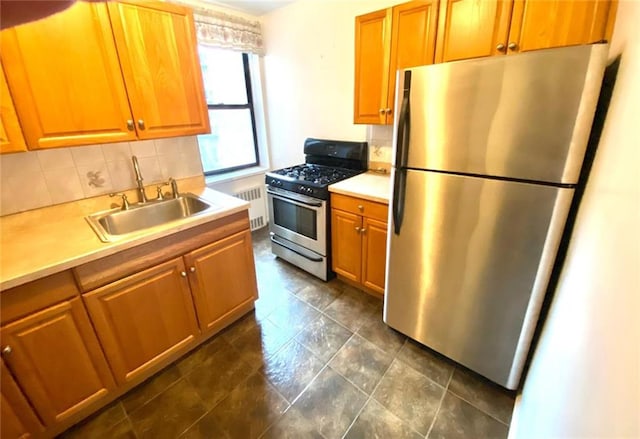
524, 116
467, 272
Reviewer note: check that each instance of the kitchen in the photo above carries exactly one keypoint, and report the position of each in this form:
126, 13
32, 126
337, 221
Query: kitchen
315, 74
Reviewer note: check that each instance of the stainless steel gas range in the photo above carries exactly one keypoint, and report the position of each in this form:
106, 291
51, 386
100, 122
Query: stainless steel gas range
298, 200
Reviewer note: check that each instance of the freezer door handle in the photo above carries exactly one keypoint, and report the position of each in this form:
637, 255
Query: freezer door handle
402, 145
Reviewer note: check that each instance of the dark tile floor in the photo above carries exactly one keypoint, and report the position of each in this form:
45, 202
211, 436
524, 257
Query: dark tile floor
314, 360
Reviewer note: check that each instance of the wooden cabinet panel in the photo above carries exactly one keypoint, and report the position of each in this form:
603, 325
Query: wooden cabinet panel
17, 419
65, 79
143, 318
222, 278
11, 138
374, 254
359, 206
472, 28
544, 24
57, 361
157, 48
346, 244
373, 38
413, 41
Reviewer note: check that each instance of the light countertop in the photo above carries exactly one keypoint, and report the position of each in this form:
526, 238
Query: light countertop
41, 242
369, 186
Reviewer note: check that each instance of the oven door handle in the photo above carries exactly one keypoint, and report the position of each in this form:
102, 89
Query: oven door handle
292, 197
313, 259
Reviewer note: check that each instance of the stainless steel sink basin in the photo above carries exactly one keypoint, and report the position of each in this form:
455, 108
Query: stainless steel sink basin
114, 224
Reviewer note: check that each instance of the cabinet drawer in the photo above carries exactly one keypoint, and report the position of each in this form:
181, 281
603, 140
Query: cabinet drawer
359, 206
26, 299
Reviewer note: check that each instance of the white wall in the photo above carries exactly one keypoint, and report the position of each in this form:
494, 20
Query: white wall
309, 74
584, 379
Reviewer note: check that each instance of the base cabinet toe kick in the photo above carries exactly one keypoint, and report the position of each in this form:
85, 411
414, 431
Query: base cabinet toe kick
74, 341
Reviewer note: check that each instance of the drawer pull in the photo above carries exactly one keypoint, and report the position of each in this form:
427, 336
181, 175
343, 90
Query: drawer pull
192, 269
358, 229
183, 273
360, 207
7, 350
363, 230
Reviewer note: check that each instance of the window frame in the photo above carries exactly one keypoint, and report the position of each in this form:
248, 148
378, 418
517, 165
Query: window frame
249, 105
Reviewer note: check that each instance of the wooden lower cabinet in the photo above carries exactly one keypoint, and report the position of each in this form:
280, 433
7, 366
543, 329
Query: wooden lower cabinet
56, 360
143, 318
223, 278
359, 241
17, 418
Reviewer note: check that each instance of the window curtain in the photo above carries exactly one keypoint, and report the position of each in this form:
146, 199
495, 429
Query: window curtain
226, 30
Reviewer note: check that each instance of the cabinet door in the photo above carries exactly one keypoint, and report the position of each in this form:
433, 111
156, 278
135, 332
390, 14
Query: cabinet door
65, 79
157, 48
413, 41
56, 359
17, 417
346, 244
374, 254
543, 24
373, 39
472, 28
11, 138
144, 318
223, 278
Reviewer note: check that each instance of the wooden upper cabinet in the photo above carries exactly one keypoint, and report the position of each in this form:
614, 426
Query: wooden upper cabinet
17, 418
222, 278
556, 23
11, 138
65, 79
395, 38
478, 28
157, 48
56, 359
413, 40
373, 40
472, 28
144, 318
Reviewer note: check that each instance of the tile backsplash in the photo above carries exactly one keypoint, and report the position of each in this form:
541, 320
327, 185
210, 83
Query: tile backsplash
41, 178
380, 138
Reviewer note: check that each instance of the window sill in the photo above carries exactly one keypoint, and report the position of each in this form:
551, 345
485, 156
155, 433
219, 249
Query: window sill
235, 175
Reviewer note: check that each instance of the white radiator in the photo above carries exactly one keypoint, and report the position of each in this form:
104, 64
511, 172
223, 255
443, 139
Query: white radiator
257, 210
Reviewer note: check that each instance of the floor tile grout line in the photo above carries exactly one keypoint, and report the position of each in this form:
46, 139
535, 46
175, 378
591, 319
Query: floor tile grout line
478, 408
435, 416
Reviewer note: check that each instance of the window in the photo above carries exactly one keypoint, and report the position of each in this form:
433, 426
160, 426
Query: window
232, 144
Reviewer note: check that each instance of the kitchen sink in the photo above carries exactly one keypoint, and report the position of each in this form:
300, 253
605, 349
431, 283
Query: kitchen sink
114, 224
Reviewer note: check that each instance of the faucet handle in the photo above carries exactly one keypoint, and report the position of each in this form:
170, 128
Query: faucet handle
125, 201
159, 190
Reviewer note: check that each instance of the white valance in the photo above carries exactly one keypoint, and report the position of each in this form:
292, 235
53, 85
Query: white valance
226, 30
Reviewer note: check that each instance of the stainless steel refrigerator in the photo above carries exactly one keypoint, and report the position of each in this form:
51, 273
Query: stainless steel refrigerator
487, 154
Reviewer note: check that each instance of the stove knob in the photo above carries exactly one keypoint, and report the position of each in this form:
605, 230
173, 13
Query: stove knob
273, 181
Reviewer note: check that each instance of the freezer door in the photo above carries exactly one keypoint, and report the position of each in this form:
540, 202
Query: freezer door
525, 116
467, 272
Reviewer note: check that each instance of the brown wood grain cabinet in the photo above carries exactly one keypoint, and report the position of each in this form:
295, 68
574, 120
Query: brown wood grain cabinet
56, 360
387, 40
477, 28
359, 241
17, 418
11, 138
103, 72
144, 318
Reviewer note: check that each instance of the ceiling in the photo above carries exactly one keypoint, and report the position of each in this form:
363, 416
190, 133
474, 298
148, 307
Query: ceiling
253, 7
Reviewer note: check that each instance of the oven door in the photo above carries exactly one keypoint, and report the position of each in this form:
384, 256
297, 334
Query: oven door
298, 218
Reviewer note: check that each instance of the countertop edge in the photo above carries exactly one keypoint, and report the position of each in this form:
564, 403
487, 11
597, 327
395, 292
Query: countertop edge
362, 195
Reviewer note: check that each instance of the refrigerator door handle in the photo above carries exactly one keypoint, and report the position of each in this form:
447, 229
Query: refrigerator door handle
402, 145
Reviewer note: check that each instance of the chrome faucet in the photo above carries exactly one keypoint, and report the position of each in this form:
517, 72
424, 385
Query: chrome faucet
174, 187
142, 197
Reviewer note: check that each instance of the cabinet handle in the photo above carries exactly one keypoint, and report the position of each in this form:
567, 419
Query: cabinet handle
183, 273
363, 230
500, 47
360, 207
130, 125
358, 229
388, 110
513, 46
7, 350
192, 269
382, 111
141, 124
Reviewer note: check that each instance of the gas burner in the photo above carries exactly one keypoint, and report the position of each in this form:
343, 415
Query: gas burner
316, 174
